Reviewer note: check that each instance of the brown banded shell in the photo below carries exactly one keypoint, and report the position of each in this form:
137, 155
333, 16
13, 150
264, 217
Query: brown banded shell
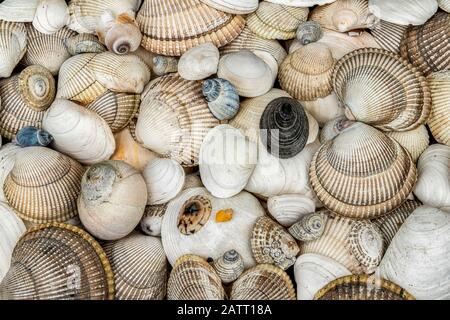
356, 244
285, 127
174, 118
263, 282
427, 46
47, 50
56, 261
386, 91
139, 266
38, 173
306, 73
362, 287
379, 173
439, 119
171, 27
117, 109
194, 214
309, 32
24, 99
192, 278
272, 244
344, 15
414, 141
390, 223
310, 227
276, 21
229, 266
388, 35
13, 45
83, 43
233, 6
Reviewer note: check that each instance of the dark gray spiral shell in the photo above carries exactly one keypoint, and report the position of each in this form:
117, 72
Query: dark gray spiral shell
290, 119
309, 32
222, 98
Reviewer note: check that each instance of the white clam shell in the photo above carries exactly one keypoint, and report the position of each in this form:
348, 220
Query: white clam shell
433, 183
78, 132
324, 109
404, 12
227, 159
51, 16
233, 6
301, 3
199, 62
313, 272
18, 10
287, 209
213, 239
418, 257
164, 179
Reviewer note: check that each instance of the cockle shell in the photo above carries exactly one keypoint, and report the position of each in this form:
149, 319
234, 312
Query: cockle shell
192, 278
18, 10
24, 99
444, 5
388, 35
7, 160
199, 62
163, 65
310, 226
324, 109
164, 179
79, 132
362, 287
57, 174
39, 52
417, 258
116, 108
249, 74
433, 182
33, 137
275, 21
229, 266
171, 27
306, 73
284, 128
56, 261
139, 266
404, 12
11, 228
356, 244
314, 271
344, 15
379, 170
222, 98
334, 128
189, 225
84, 43
391, 222
13, 45
227, 159
263, 282
309, 32
152, 219
272, 244
233, 6
51, 16
287, 209
302, 3
405, 108
112, 200
414, 141
174, 118
439, 119
426, 46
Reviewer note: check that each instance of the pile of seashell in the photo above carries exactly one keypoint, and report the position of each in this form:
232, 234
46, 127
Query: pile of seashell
225, 149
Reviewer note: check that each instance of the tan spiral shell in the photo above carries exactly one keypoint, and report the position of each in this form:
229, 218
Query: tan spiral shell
37, 173
174, 118
439, 119
275, 21
306, 73
356, 244
25, 97
362, 287
192, 278
263, 282
363, 93
377, 172
171, 27
139, 266
229, 266
56, 261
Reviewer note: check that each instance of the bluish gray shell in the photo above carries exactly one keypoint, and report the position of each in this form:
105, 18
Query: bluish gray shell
33, 137
309, 32
222, 98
